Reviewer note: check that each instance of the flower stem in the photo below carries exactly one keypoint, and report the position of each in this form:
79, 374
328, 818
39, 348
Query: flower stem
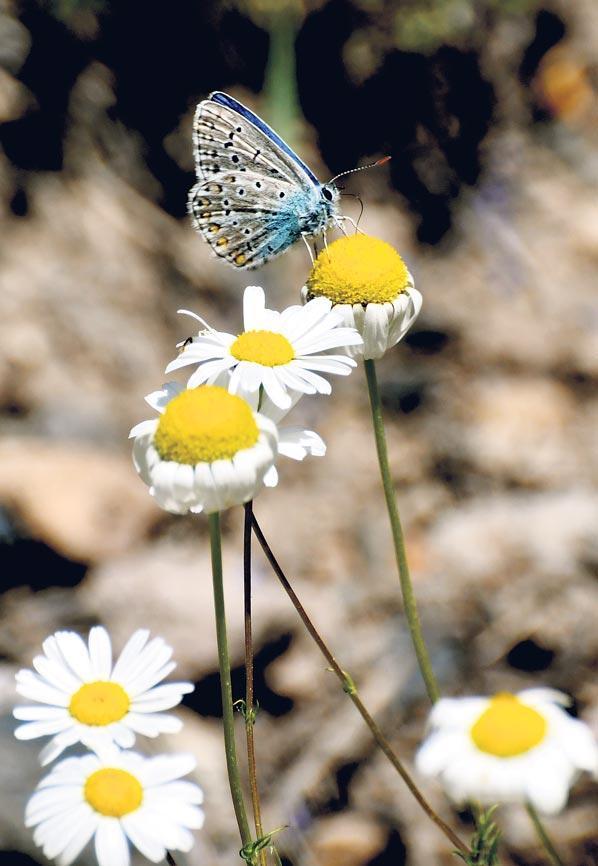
249, 708
409, 602
543, 836
170, 859
226, 688
350, 688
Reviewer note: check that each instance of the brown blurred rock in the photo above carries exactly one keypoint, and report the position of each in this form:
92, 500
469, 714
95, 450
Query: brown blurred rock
347, 839
168, 588
86, 504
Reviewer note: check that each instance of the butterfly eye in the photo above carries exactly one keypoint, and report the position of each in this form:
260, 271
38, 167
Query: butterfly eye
327, 193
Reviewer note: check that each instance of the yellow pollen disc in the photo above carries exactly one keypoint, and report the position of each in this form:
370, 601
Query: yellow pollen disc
113, 792
359, 270
204, 424
263, 347
99, 703
508, 727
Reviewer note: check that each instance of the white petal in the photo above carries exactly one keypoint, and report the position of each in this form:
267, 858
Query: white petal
296, 443
254, 302
274, 389
58, 744
100, 653
51, 801
175, 792
73, 648
86, 827
44, 728
321, 385
144, 428
57, 674
209, 369
145, 456
154, 723
457, 713
436, 752
169, 694
307, 318
270, 479
375, 331
158, 400
130, 652
111, 844
31, 686
141, 834
34, 714
548, 789
332, 339
166, 768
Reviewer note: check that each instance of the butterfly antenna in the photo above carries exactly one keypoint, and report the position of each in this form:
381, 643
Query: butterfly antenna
359, 199
378, 162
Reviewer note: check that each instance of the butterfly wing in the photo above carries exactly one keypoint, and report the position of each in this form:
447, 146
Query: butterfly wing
248, 218
254, 196
227, 135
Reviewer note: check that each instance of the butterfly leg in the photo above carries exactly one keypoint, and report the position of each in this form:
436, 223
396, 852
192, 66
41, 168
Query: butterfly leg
353, 223
311, 255
339, 224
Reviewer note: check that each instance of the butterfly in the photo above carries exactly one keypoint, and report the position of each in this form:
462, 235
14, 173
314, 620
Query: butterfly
254, 196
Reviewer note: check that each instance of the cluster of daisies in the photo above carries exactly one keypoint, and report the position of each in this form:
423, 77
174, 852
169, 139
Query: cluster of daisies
108, 794
217, 441
215, 444
218, 438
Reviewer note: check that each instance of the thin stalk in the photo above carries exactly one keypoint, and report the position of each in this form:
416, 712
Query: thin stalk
543, 836
170, 859
350, 688
226, 688
249, 708
409, 603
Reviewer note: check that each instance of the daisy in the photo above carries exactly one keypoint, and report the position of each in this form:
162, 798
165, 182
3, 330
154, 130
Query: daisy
114, 799
82, 697
207, 451
370, 287
279, 352
294, 442
508, 748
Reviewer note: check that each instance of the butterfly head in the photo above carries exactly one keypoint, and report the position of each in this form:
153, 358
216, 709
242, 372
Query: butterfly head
330, 197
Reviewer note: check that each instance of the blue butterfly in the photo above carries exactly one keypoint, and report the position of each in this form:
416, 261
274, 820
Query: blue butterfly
254, 197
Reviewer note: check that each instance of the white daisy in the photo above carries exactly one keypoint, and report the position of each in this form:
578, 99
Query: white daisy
294, 442
85, 698
370, 287
115, 799
279, 352
207, 451
508, 748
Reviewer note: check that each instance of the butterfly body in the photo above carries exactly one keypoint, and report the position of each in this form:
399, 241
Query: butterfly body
254, 196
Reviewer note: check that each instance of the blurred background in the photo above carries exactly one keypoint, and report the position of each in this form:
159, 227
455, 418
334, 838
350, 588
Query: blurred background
488, 109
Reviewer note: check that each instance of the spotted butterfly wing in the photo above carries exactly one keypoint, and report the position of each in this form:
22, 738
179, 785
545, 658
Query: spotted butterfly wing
254, 196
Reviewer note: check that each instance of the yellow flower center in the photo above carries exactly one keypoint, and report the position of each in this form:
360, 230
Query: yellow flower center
99, 703
508, 727
204, 424
262, 347
113, 792
359, 270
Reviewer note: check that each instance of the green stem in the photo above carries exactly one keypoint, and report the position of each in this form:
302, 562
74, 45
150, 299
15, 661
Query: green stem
226, 688
350, 689
409, 602
249, 697
543, 836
